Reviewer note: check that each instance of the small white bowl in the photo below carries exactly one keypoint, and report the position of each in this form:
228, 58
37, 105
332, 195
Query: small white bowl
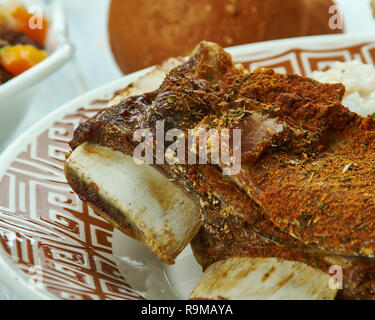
16, 95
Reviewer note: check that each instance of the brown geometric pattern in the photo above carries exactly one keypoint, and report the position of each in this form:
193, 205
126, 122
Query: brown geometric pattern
304, 61
44, 225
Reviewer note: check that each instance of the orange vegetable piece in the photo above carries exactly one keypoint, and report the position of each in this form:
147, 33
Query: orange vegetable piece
25, 21
19, 58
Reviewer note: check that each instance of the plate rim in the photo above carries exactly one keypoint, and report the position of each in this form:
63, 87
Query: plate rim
280, 43
11, 277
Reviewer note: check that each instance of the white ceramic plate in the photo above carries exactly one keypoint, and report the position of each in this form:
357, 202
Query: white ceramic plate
53, 246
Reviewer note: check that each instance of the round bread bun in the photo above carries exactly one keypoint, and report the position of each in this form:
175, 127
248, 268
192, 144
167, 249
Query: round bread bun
146, 32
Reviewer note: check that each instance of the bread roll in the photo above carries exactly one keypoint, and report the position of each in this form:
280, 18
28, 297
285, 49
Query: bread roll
146, 32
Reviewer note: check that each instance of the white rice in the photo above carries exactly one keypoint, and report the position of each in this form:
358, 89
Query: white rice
359, 80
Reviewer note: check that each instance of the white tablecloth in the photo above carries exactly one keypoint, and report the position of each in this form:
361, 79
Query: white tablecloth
93, 65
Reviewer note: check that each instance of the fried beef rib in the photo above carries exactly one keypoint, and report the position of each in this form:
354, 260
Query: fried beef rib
306, 160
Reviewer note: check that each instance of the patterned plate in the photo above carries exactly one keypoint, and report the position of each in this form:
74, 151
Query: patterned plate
53, 246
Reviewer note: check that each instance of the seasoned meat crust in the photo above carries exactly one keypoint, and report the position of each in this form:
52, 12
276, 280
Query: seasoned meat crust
301, 187
319, 179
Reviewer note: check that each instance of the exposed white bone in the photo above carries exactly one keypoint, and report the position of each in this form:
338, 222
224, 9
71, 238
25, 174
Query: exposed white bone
156, 211
245, 278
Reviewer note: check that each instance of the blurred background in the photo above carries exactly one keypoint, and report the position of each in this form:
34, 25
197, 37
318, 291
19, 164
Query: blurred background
143, 26
144, 32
